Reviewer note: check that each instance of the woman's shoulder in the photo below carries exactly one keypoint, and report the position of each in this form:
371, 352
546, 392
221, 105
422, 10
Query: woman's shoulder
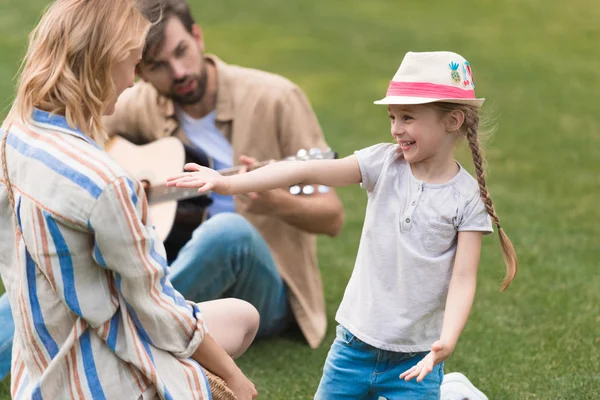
91, 160
67, 172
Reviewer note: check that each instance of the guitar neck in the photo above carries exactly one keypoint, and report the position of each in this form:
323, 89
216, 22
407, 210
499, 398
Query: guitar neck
162, 193
238, 168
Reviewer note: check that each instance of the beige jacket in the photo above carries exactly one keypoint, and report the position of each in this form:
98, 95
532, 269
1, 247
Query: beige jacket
264, 116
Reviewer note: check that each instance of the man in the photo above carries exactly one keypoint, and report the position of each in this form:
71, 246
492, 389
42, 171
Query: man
231, 113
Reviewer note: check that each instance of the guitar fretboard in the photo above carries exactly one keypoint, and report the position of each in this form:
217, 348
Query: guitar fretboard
160, 193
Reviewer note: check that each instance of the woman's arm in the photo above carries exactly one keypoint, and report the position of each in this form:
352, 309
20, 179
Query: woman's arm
126, 244
212, 357
340, 172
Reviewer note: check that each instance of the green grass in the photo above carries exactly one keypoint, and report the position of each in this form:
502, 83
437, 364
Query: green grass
537, 64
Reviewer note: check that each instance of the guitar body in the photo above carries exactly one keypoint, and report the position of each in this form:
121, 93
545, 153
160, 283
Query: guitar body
177, 212
153, 163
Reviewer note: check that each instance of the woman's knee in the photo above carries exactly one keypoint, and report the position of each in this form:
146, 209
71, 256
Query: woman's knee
248, 320
244, 314
232, 322
251, 317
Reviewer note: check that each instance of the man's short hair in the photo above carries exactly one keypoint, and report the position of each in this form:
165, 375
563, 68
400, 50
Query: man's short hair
169, 8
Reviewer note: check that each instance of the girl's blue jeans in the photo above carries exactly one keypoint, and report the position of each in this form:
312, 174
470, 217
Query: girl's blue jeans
355, 370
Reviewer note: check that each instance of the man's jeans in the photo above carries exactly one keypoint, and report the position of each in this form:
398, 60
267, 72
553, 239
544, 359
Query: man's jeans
226, 257
7, 328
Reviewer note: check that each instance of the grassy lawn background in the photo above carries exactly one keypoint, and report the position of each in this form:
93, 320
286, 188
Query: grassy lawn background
537, 64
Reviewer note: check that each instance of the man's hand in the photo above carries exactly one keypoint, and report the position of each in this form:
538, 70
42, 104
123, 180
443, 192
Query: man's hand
439, 352
260, 203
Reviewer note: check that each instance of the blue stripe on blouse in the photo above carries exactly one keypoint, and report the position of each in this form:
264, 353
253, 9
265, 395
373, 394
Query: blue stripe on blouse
54, 164
89, 366
66, 264
36, 310
59, 121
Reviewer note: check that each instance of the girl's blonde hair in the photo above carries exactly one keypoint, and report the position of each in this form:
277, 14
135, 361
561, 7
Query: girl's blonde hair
470, 130
68, 66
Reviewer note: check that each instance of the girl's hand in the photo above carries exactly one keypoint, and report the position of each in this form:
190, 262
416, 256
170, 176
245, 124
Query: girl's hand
203, 178
439, 352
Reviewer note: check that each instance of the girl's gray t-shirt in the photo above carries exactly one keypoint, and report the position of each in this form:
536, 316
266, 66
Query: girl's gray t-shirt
396, 296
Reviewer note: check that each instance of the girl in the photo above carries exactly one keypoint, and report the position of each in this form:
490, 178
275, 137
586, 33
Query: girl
95, 316
414, 279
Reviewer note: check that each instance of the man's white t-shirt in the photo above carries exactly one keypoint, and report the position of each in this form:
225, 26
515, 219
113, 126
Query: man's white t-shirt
204, 135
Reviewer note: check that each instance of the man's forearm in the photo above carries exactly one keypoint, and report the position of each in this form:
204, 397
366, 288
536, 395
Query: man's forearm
318, 213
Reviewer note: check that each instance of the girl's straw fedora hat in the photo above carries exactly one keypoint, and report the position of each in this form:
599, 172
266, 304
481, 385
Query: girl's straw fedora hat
428, 77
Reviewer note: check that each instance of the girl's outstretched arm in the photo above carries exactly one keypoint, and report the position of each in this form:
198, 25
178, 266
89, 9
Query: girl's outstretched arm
458, 304
340, 172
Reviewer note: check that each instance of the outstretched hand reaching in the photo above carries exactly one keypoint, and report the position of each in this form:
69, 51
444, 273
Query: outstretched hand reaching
203, 178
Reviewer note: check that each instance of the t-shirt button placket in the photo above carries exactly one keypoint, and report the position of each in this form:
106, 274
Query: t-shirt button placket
406, 223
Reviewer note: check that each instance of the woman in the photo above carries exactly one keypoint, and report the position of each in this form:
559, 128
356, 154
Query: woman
95, 315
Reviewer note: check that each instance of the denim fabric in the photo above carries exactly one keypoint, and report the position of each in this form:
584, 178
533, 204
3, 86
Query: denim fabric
227, 257
7, 329
356, 370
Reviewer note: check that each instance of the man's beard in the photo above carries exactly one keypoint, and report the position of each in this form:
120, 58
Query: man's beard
197, 94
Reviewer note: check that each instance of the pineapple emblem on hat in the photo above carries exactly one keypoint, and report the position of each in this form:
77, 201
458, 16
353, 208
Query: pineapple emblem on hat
454, 74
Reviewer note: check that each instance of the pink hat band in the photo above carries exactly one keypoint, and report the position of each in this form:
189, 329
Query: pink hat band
428, 90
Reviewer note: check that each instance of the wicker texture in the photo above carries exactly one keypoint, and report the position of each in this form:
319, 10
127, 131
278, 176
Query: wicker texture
218, 387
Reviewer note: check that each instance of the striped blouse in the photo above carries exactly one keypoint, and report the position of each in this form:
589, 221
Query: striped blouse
95, 315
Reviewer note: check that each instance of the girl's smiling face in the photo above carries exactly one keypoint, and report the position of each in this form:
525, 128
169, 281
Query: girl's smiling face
422, 132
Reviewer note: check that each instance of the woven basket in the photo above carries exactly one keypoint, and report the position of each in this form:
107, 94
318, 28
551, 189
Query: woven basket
218, 387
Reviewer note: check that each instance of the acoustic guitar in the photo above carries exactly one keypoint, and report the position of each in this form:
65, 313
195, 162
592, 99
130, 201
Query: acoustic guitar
153, 163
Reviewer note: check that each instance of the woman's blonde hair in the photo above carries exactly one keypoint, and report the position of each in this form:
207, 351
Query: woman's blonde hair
470, 130
68, 66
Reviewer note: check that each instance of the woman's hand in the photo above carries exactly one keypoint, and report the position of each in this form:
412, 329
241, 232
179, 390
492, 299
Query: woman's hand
439, 352
214, 358
203, 178
241, 386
